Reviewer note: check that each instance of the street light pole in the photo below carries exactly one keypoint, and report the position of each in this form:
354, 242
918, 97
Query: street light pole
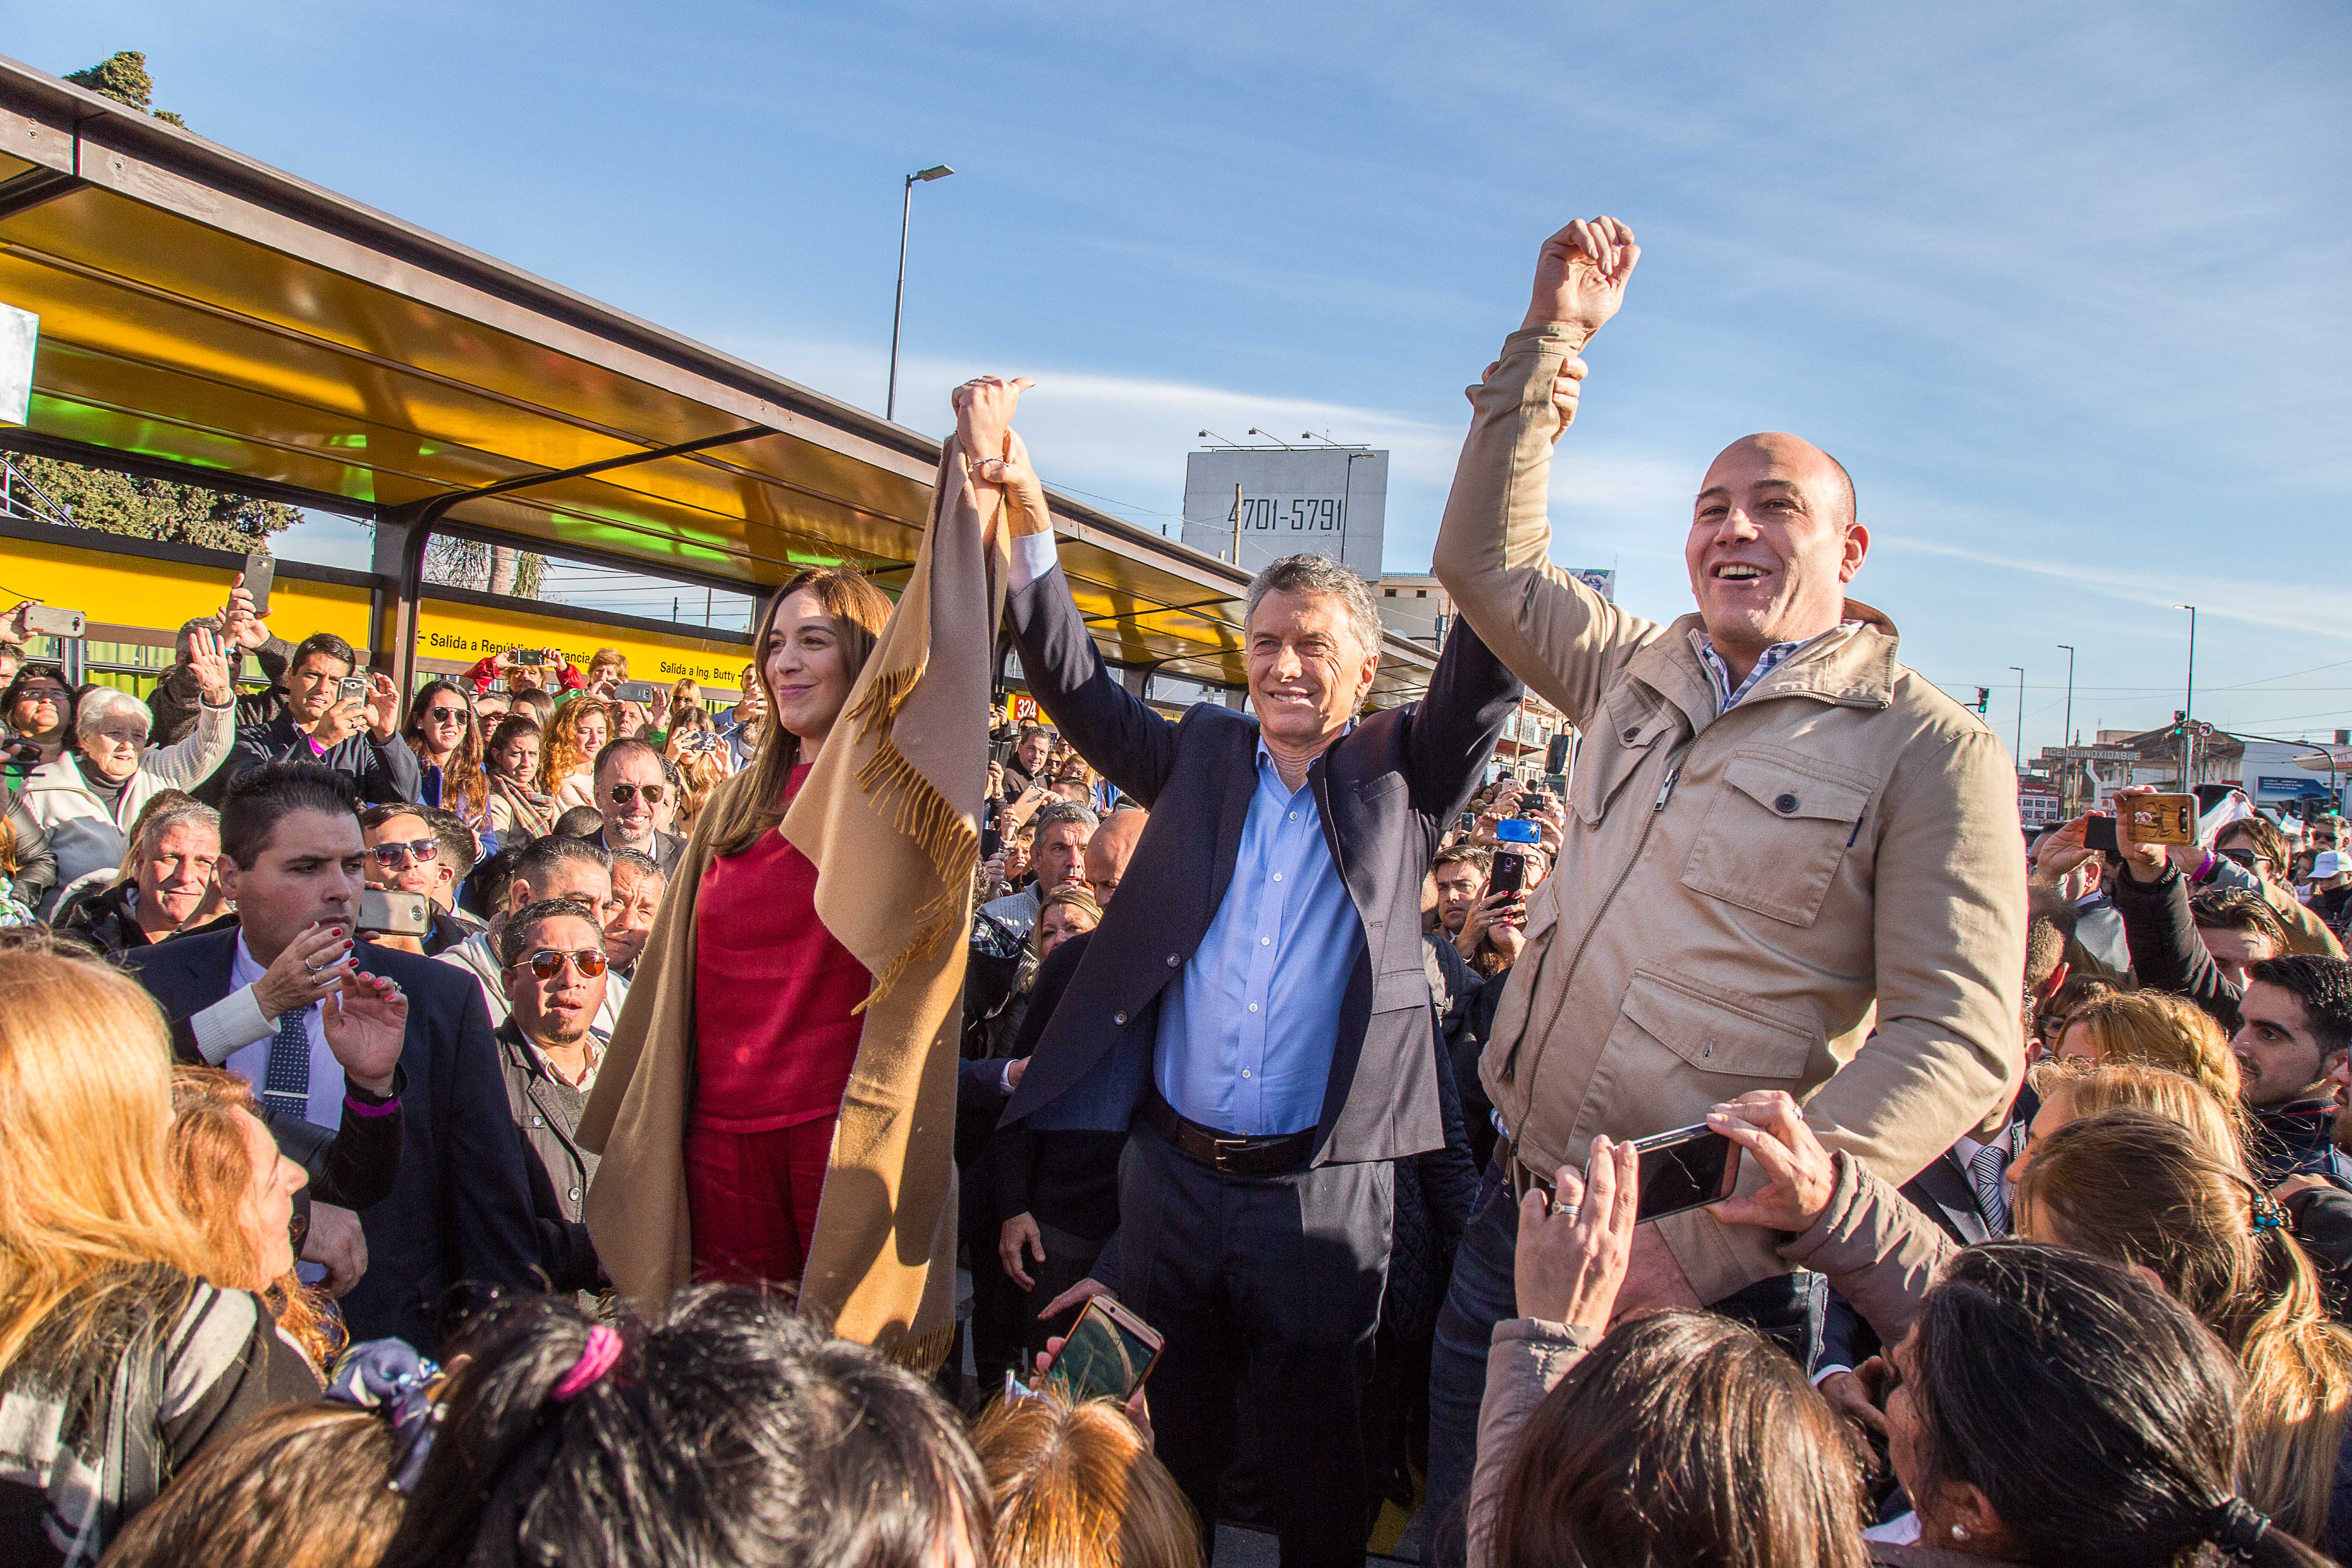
2069, 649
2017, 755
2189, 708
898, 310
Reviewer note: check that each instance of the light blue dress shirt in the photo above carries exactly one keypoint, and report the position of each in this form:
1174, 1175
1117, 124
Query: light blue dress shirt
1248, 1031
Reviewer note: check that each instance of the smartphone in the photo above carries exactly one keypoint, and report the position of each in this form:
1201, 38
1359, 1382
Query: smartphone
991, 841
2099, 833
2164, 818
635, 691
352, 689
528, 658
1468, 822
390, 912
699, 740
260, 571
1684, 1169
1107, 1355
1508, 873
45, 621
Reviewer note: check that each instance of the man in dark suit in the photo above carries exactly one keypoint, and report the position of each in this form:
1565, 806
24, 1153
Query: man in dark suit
459, 1209
1253, 1002
631, 785
357, 736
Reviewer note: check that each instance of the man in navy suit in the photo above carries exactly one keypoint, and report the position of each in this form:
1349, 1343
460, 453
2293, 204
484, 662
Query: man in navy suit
268, 999
1254, 1003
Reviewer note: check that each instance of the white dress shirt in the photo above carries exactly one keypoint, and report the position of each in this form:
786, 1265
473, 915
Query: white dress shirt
250, 1061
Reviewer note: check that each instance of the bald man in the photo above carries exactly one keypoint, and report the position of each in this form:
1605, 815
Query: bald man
1109, 850
1791, 864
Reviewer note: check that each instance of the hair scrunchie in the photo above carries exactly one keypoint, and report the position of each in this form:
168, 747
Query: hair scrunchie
2268, 1214
2237, 1526
597, 1359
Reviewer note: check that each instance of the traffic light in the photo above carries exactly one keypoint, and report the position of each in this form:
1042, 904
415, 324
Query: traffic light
1984, 698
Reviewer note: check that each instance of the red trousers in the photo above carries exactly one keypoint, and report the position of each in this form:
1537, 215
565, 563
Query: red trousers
750, 1199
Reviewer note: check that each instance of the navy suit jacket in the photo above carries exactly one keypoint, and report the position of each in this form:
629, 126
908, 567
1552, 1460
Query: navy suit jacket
1944, 1193
460, 1211
1385, 791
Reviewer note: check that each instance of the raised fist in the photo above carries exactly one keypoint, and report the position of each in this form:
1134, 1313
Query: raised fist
1581, 275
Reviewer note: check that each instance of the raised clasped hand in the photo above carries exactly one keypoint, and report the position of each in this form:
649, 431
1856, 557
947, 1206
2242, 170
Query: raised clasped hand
984, 408
1581, 275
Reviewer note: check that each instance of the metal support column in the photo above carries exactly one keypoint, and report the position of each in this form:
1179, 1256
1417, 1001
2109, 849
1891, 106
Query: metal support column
402, 535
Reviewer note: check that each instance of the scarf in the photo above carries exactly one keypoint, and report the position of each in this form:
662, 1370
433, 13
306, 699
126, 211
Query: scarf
889, 815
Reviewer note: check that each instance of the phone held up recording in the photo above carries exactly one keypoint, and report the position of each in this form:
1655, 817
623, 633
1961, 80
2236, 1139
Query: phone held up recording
1687, 1168
1516, 839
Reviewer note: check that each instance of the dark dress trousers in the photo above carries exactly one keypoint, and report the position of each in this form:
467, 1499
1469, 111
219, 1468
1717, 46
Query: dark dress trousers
1269, 1281
460, 1210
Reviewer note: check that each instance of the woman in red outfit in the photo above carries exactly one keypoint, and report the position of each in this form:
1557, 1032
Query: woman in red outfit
773, 1034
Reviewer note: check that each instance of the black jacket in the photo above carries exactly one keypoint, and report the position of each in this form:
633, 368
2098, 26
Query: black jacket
1384, 792
384, 771
104, 920
459, 1210
667, 848
558, 1168
2166, 952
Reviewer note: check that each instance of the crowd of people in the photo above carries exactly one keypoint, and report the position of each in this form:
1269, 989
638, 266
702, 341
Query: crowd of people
478, 1126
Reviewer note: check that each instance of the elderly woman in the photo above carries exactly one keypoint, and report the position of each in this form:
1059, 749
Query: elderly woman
88, 798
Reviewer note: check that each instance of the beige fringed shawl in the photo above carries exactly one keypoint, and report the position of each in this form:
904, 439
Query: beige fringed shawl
889, 815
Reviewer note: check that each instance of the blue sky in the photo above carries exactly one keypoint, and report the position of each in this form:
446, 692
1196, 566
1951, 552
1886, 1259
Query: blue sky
2066, 288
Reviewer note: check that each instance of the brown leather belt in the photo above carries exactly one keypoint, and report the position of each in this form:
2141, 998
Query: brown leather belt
1228, 1153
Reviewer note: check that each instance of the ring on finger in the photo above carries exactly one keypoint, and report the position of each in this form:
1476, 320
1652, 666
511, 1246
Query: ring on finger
1563, 1211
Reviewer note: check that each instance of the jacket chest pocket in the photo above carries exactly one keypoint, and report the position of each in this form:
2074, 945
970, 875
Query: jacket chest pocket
1623, 739
1774, 836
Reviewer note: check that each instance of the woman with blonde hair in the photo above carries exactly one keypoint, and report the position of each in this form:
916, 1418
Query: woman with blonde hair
743, 980
2157, 1029
2074, 1090
1076, 1486
567, 757
238, 1189
118, 1361
2132, 1186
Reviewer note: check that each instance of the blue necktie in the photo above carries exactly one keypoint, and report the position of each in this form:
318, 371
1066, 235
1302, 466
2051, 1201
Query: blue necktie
286, 1085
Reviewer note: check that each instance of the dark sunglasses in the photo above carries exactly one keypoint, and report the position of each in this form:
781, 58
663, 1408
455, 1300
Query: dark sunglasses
624, 794
399, 853
2246, 857
547, 963
443, 715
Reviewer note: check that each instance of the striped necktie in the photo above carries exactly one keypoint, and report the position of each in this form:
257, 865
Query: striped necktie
1988, 1173
286, 1084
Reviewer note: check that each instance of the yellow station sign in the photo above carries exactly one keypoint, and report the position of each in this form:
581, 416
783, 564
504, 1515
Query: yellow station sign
151, 599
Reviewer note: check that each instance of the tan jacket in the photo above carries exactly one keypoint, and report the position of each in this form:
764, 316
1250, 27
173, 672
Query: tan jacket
1715, 924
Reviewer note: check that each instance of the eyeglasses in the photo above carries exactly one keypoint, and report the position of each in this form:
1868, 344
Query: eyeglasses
2247, 858
396, 854
444, 715
624, 794
547, 963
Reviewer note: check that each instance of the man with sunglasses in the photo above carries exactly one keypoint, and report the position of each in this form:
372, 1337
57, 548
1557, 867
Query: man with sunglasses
404, 857
579, 869
555, 977
632, 786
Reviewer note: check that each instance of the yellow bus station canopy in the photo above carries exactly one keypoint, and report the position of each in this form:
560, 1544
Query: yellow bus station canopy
201, 311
